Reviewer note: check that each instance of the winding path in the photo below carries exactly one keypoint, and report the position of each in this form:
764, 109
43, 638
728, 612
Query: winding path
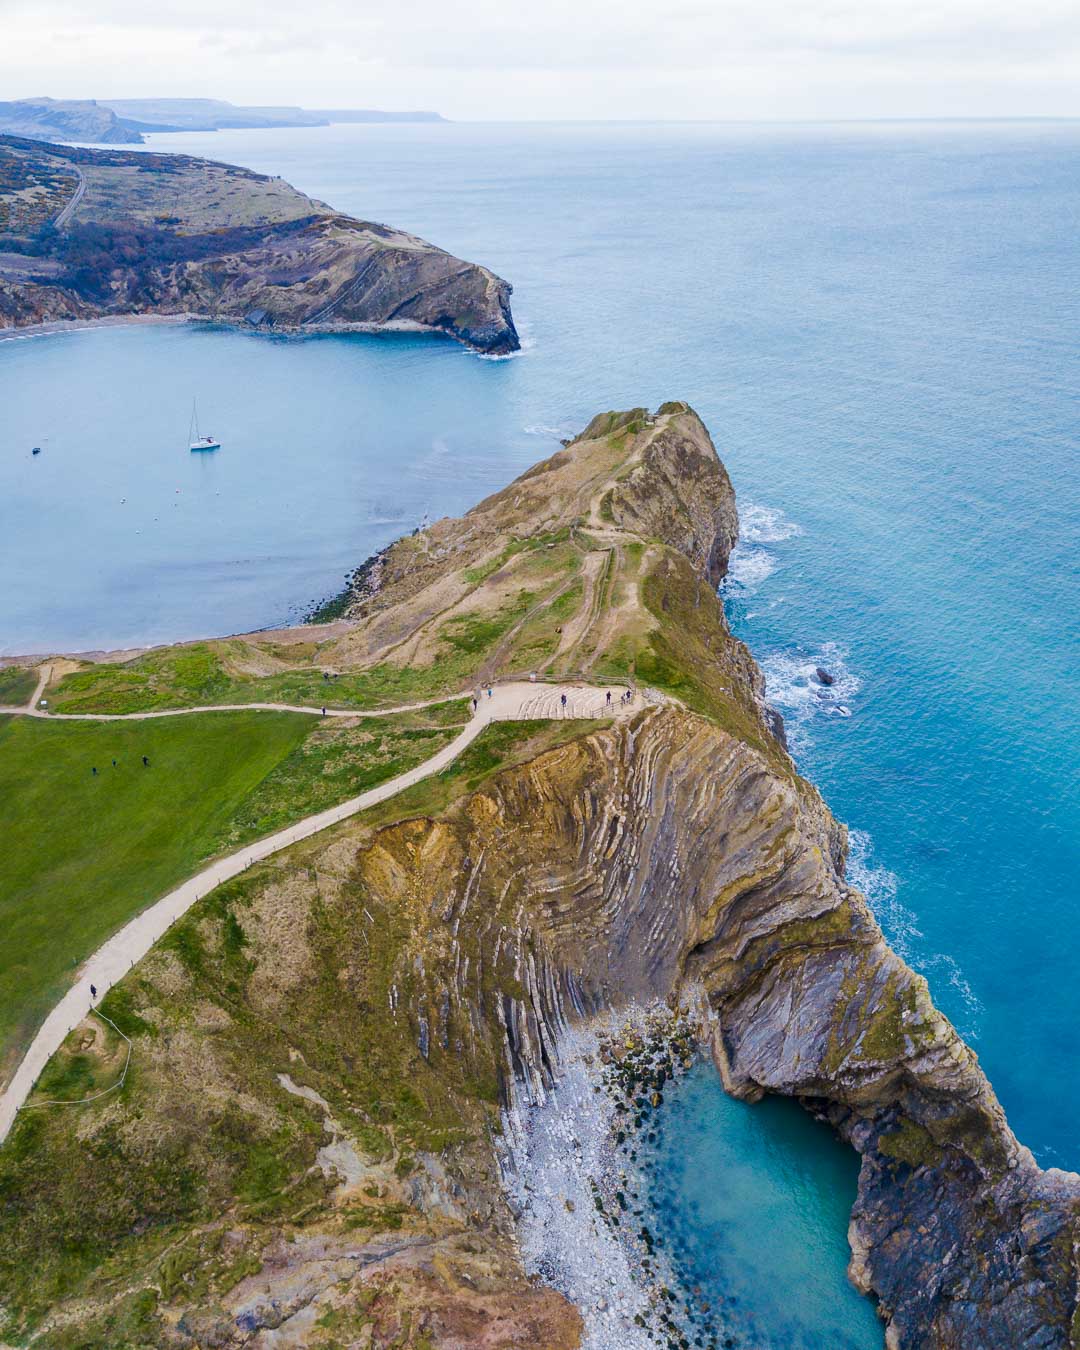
508, 702
68, 211
31, 709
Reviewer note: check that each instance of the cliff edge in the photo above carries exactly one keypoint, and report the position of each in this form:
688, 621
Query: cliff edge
305, 1149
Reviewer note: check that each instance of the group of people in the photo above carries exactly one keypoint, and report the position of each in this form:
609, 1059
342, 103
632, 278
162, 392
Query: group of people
478, 696
116, 765
625, 698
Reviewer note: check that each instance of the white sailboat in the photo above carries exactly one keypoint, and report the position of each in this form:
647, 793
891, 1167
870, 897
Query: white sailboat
195, 441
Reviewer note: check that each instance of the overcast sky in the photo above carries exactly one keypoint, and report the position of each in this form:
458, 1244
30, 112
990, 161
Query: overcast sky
497, 59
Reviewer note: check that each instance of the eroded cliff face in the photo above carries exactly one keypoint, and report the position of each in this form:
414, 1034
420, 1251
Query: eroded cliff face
88, 233
685, 859
304, 1155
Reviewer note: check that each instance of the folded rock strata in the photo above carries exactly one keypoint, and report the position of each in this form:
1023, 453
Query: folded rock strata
359, 1008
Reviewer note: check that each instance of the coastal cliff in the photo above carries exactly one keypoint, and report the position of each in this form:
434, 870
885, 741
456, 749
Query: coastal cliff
54, 119
94, 233
323, 1050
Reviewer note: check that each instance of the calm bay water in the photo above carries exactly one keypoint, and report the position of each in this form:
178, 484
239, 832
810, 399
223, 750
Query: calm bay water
880, 326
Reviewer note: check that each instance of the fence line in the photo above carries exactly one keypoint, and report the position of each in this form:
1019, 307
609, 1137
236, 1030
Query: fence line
82, 1101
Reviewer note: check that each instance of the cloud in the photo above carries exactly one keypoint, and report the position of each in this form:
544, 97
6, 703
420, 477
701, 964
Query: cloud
563, 58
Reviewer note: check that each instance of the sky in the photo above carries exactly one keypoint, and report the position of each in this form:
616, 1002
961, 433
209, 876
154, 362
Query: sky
622, 59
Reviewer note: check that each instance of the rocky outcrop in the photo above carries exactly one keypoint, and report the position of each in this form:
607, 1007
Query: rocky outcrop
90, 233
675, 857
407, 973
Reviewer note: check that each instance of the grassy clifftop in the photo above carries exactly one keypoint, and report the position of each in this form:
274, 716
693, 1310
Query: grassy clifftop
94, 835
303, 1149
598, 563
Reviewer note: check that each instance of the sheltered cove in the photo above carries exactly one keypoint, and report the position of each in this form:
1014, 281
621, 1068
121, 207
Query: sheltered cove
414, 971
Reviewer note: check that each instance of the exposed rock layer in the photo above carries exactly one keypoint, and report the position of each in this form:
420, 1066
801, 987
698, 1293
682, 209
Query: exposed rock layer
402, 971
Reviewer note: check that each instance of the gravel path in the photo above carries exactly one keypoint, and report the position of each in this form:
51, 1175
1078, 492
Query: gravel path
31, 709
508, 702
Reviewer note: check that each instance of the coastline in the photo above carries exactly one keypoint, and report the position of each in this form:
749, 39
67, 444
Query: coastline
285, 634
814, 1004
53, 327
364, 582
570, 1171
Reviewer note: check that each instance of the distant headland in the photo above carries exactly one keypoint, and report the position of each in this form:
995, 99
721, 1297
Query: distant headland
124, 121
93, 234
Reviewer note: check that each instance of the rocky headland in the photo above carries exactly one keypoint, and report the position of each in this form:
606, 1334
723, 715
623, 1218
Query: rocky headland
56, 119
86, 234
329, 1053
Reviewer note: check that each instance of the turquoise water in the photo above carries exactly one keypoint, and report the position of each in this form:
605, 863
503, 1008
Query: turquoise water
755, 1197
880, 325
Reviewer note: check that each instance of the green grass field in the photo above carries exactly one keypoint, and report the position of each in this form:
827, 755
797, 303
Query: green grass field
82, 852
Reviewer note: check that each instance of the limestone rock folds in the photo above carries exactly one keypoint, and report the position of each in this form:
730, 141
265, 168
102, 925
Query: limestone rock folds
85, 233
676, 855
421, 963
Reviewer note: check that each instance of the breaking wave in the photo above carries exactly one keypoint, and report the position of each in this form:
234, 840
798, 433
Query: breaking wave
903, 934
747, 569
765, 524
750, 562
793, 687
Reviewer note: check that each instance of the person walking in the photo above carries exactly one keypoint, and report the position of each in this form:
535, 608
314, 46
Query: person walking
146, 762
93, 993
93, 770
608, 700
489, 691
563, 701
474, 703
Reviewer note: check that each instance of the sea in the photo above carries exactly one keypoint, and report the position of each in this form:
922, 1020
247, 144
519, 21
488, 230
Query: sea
880, 324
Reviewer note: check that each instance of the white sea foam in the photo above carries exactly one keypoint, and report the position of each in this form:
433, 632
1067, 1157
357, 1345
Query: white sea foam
793, 688
760, 524
748, 567
901, 928
750, 563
